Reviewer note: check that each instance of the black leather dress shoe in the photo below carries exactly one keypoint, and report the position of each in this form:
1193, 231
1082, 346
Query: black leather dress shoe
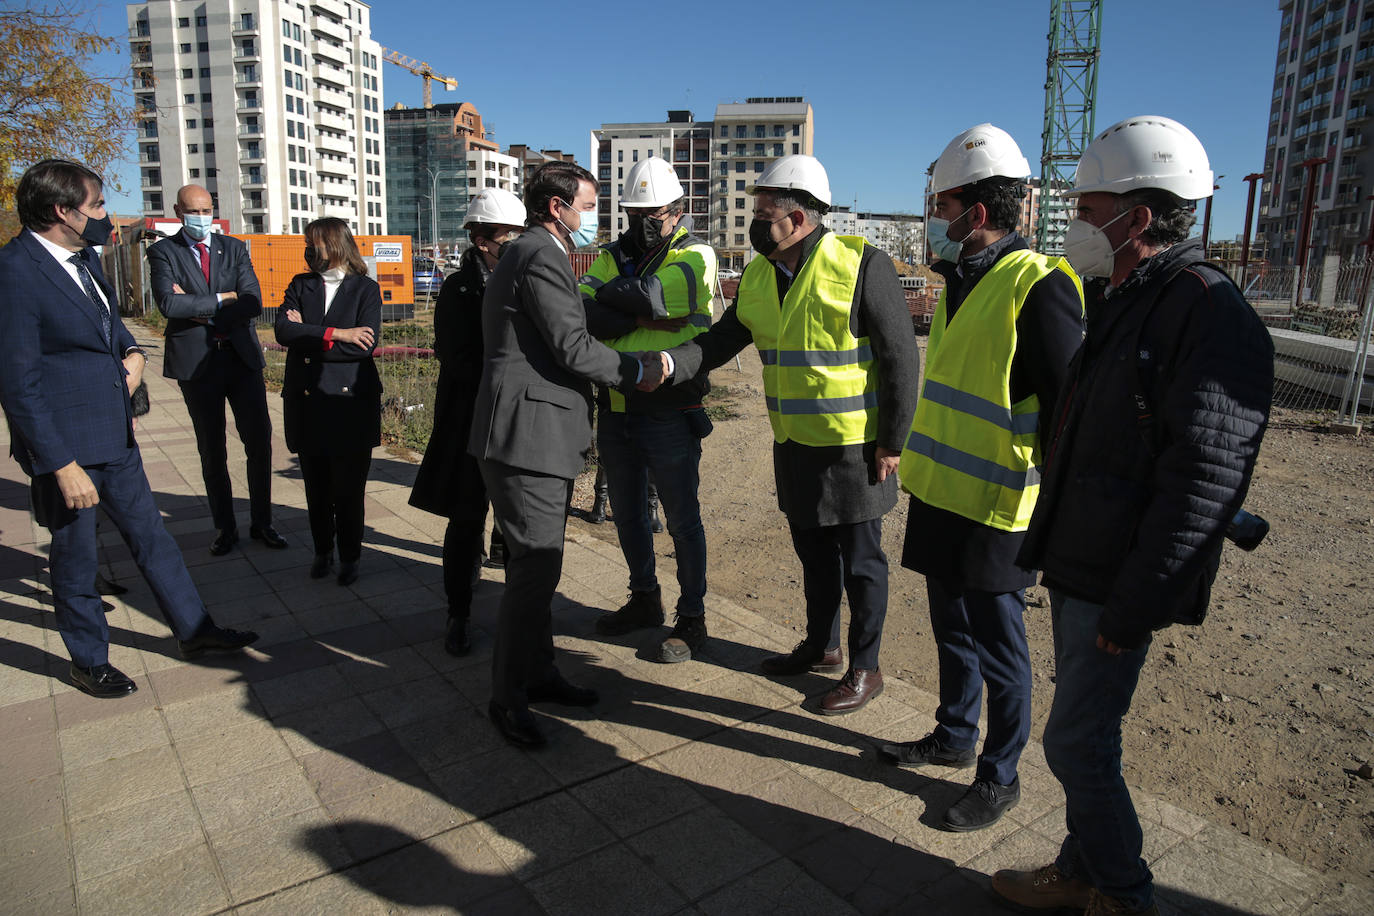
224, 542
516, 725
103, 681
348, 572
213, 640
457, 641
268, 535
981, 806
323, 563
563, 692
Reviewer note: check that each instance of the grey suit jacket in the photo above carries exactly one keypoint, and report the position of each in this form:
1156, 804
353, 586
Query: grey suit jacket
534, 404
190, 343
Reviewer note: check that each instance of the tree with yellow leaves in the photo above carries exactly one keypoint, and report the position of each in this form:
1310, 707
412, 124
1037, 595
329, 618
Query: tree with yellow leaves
51, 105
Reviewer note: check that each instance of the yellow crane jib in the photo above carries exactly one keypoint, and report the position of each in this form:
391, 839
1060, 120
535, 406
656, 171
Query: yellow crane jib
422, 70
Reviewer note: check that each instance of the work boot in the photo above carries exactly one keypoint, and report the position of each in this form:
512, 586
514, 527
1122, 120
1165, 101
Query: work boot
603, 495
644, 609
1044, 888
805, 657
982, 805
686, 640
1099, 904
655, 525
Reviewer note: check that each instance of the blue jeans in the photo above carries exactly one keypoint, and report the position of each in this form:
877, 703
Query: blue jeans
980, 637
633, 446
1092, 694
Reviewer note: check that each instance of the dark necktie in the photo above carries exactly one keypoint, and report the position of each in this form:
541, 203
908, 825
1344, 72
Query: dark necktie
88, 284
204, 254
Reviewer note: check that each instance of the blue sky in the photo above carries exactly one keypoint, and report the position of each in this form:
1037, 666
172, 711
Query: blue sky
890, 82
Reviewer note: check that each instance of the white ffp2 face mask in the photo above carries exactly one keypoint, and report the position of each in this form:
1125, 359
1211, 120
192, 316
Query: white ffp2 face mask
1088, 249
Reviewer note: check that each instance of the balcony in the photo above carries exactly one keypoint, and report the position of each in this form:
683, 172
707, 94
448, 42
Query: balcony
249, 105
329, 74
1353, 142
243, 24
328, 49
149, 155
330, 165
253, 179
1364, 54
331, 121
331, 96
1357, 114
332, 7
342, 211
1348, 199
245, 51
1363, 84
248, 78
254, 206
330, 28
251, 154
324, 140
250, 130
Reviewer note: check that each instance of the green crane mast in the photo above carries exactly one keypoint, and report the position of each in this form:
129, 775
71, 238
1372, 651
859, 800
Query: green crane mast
1070, 105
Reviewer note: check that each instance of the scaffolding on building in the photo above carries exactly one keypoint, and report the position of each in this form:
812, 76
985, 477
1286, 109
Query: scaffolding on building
1070, 106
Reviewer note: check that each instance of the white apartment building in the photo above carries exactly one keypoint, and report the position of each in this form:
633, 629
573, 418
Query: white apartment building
680, 140
901, 235
274, 106
746, 137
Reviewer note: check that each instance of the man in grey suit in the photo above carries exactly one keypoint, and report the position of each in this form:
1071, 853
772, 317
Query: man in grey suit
532, 428
204, 284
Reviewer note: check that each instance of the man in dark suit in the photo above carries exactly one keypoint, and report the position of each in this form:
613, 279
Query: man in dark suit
204, 283
64, 386
531, 430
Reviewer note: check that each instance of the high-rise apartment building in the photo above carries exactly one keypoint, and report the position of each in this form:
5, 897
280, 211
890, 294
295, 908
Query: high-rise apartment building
680, 140
746, 137
273, 106
1322, 102
436, 159
715, 160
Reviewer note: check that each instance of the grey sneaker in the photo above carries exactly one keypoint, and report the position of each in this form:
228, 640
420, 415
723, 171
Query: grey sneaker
686, 640
644, 609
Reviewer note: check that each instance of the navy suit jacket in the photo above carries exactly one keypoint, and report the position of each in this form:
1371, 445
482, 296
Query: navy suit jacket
190, 343
62, 385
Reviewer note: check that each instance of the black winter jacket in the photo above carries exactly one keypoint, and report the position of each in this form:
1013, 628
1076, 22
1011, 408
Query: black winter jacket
1132, 511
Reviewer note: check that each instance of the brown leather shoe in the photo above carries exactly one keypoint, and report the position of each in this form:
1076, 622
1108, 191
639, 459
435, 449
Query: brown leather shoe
856, 688
1044, 888
805, 657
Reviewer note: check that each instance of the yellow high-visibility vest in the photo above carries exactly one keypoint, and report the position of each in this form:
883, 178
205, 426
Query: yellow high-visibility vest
818, 379
688, 277
972, 451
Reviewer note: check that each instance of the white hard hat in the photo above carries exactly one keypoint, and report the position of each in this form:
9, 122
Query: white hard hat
980, 152
797, 172
652, 182
1145, 152
495, 205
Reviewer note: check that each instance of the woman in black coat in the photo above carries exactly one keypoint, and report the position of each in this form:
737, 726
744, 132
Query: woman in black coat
329, 322
449, 482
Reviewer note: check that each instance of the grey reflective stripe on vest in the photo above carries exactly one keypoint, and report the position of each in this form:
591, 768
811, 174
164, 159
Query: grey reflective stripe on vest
817, 358
794, 406
699, 320
1017, 424
589, 280
691, 284
972, 465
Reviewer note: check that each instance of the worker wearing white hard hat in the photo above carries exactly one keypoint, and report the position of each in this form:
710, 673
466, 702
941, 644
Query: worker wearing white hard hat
650, 290
449, 482
1153, 448
971, 460
840, 367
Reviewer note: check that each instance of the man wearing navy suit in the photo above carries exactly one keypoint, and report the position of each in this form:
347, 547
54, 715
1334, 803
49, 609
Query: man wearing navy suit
64, 387
204, 283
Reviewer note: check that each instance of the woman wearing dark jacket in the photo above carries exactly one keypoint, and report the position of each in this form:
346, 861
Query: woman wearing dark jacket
332, 396
449, 482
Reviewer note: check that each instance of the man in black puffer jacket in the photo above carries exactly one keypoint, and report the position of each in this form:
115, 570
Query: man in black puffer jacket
1150, 456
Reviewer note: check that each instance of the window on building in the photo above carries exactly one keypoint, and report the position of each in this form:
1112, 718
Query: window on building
739, 185
185, 47
190, 123
211, 173
739, 166
739, 203
203, 47
190, 98
290, 152
183, 22
796, 130
286, 55
200, 22
193, 147
758, 166
634, 155
295, 224
739, 222
796, 148
294, 201
209, 147
741, 131
195, 173
777, 149
739, 239
779, 130
297, 55
205, 96
285, 29
205, 73
187, 73
209, 122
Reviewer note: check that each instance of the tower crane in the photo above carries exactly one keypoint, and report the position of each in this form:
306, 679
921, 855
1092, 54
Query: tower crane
1075, 40
422, 70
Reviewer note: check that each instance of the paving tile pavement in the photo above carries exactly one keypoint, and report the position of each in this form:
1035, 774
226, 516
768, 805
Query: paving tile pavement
345, 763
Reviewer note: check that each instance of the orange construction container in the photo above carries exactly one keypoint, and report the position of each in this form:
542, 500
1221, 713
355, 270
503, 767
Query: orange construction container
278, 258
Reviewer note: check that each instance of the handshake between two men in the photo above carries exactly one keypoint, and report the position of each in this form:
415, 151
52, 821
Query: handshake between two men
656, 368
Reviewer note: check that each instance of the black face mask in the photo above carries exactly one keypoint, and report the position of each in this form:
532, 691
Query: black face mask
314, 261
647, 231
97, 230
760, 236
501, 249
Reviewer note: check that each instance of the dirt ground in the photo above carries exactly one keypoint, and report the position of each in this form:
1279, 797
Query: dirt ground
1259, 719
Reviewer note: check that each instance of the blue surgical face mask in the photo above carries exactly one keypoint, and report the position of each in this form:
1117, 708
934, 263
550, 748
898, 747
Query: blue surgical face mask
585, 233
197, 225
937, 233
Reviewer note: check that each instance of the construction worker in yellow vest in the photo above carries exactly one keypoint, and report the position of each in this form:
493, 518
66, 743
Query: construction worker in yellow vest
1005, 328
840, 367
651, 289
